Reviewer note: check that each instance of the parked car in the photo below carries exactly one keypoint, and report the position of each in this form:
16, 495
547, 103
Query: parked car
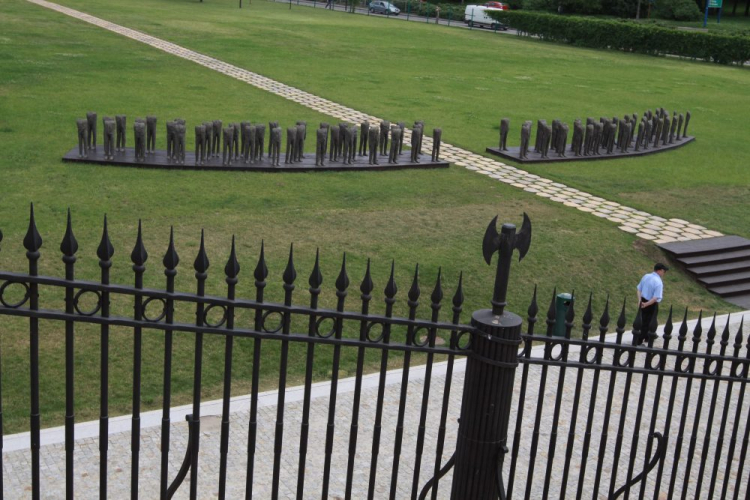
476, 15
497, 5
382, 7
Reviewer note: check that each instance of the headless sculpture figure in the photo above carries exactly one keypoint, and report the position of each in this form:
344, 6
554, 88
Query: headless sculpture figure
139, 133
385, 127
342, 126
200, 141
335, 142
346, 140
539, 134
555, 129
402, 126
327, 128
687, 121
416, 139
235, 141
109, 138
665, 130
301, 126
243, 138
673, 129
299, 146
260, 137
525, 138
395, 141
588, 139
291, 145
321, 137
91, 136
170, 139
271, 126
179, 141
577, 143
562, 138
248, 152
353, 149
597, 139
680, 122
627, 136
437, 135
275, 137
120, 121
228, 138
373, 140
639, 137
420, 124
546, 138
207, 140
216, 146
611, 135
150, 134
504, 128
658, 131
364, 129
646, 133
83, 128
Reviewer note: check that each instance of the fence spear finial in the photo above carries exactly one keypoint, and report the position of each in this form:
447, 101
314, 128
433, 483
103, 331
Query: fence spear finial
504, 243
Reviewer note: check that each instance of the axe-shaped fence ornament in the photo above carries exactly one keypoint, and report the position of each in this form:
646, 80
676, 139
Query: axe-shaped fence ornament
505, 243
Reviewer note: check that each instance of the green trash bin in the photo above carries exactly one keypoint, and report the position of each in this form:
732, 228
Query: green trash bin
562, 304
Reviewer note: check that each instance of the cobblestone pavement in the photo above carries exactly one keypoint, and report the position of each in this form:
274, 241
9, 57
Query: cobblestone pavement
642, 224
625, 399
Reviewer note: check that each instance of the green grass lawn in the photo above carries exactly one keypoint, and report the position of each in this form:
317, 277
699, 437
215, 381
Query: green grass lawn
53, 69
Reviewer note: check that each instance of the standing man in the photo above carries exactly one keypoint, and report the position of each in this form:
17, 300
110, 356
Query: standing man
650, 291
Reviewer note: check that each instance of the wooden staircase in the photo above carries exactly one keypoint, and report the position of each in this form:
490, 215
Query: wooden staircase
721, 264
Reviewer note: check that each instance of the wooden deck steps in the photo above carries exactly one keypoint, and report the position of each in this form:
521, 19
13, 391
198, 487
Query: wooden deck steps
721, 264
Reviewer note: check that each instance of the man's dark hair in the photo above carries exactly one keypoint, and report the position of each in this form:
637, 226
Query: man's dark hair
660, 267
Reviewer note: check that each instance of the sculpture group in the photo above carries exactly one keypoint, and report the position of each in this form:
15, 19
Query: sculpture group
606, 136
244, 142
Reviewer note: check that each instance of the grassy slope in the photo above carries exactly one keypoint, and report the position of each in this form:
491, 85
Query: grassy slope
53, 69
465, 81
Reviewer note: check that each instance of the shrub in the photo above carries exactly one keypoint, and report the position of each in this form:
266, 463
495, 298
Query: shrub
629, 36
680, 10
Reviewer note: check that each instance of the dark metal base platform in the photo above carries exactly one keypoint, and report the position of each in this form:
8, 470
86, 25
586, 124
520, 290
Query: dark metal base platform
158, 159
512, 153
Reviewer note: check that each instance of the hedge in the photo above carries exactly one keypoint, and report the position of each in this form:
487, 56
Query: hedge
628, 36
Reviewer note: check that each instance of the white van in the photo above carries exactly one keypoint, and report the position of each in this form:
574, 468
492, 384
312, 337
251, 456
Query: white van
476, 15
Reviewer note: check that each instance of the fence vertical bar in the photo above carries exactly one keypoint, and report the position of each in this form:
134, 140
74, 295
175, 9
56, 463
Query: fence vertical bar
390, 294
603, 327
458, 299
170, 261
586, 326
260, 274
526, 353
436, 297
315, 281
413, 303
743, 452
366, 288
138, 257
69, 247
231, 270
105, 251
620, 329
200, 265
490, 372
290, 274
33, 242
667, 336
714, 394
735, 427
685, 407
342, 283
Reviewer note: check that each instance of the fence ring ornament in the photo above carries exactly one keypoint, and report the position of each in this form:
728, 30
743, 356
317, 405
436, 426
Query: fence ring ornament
24, 299
559, 355
739, 370
467, 343
713, 367
221, 321
368, 332
655, 365
90, 312
590, 360
163, 310
623, 358
681, 366
330, 332
426, 337
525, 350
265, 316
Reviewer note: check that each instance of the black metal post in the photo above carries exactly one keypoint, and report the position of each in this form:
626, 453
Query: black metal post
490, 372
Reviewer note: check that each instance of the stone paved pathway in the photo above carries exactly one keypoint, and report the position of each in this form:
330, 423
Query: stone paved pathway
642, 224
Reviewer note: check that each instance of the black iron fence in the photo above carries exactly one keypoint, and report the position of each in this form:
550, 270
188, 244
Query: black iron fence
589, 415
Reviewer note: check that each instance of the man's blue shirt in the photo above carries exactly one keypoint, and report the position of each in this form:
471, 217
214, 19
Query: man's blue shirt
651, 286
